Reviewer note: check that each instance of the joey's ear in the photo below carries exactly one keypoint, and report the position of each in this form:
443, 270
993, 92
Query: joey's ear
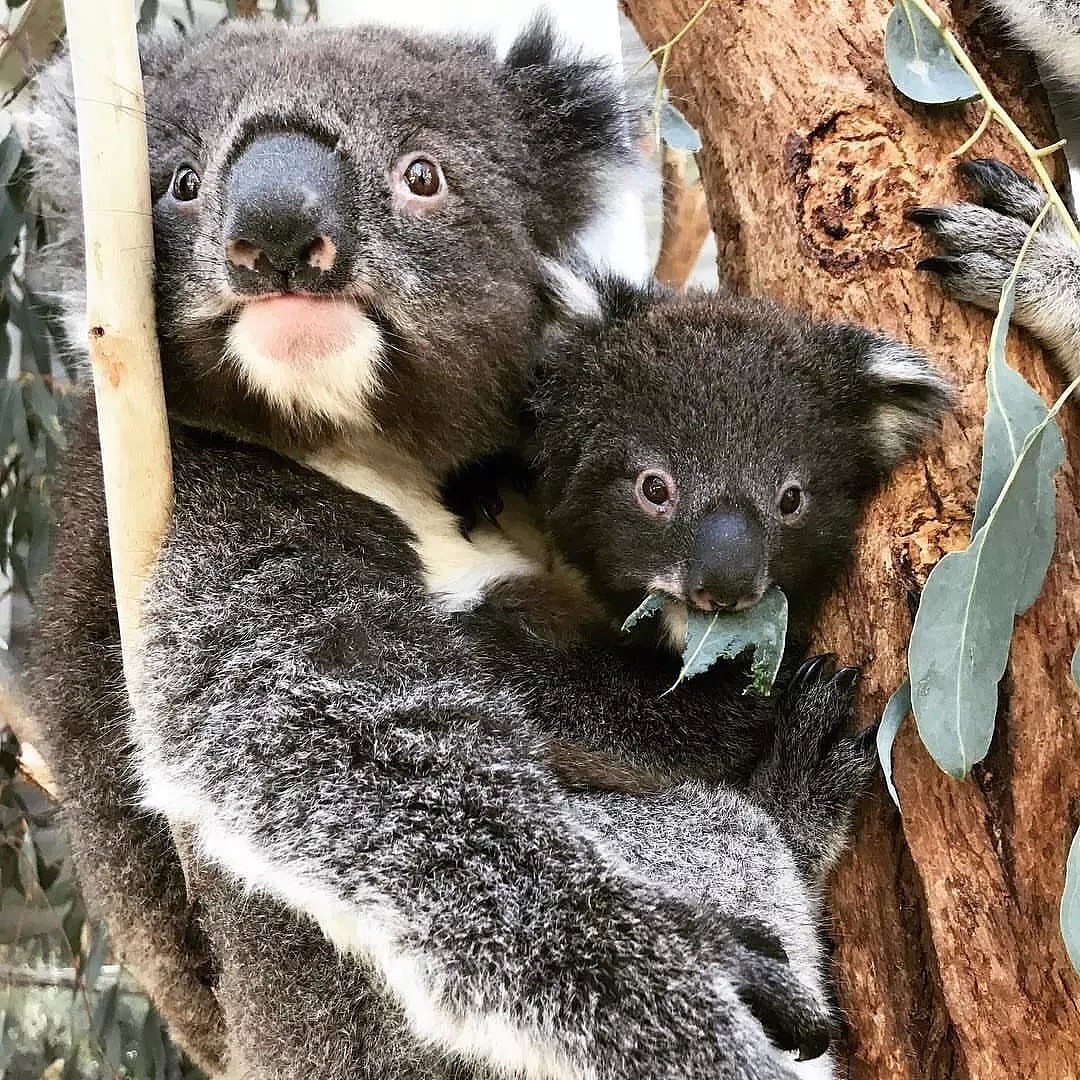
571, 114
905, 398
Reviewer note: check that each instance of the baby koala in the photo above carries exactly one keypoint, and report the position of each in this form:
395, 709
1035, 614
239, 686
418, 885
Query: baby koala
708, 446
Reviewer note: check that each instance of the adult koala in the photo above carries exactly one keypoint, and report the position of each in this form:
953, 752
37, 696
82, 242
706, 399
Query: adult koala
360, 237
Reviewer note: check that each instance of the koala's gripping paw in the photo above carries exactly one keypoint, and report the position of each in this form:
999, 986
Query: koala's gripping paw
816, 773
981, 241
790, 1014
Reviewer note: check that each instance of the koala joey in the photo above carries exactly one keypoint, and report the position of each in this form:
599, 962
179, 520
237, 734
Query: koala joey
981, 239
361, 239
708, 446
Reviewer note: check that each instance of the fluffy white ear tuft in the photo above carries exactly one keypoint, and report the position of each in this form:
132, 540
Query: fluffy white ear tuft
908, 397
570, 289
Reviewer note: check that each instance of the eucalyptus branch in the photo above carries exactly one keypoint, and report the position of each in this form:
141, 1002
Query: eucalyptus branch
664, 52
996, 111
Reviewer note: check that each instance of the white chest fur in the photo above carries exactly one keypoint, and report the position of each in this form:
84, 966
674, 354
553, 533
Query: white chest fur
458, 571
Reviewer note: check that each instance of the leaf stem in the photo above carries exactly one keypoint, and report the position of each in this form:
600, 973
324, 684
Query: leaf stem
664, 52
996, 110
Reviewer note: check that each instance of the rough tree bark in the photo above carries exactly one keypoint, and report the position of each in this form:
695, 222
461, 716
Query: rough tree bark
948, 957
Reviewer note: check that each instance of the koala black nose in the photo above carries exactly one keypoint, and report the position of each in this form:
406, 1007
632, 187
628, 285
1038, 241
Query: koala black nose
725, 567
286, 198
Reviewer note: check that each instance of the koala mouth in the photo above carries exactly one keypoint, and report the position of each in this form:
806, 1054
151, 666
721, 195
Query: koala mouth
299, 328
674, 588
311, 357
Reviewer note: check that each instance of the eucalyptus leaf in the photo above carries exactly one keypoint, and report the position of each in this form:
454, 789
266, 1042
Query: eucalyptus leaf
44, 407
892, 719
721, 635
1076, 666
960, 641
677, 131
10, 155
105, 1019
649, 606
919, 61
19, 427
1070, 904
1013, 410
91, 969
12, 220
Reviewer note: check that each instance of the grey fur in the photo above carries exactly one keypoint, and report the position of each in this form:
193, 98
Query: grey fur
489, 873
1051, 30
981, 240
346, 751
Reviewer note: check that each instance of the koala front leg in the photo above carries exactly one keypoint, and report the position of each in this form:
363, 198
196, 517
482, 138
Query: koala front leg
816, 772
982, 240
717, 848
407, 815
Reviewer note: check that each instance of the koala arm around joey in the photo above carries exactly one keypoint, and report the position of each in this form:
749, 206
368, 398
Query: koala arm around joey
335, 742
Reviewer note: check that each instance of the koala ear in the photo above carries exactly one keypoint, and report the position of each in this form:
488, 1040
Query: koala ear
571, 114
904, 397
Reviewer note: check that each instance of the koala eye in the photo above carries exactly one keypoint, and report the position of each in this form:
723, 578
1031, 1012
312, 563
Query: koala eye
656, 492
422, 177
418, 183
185, 184
791, 503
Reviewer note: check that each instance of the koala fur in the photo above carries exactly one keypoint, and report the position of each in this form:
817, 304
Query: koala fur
733, 400
350, 762
381, 844
981, 239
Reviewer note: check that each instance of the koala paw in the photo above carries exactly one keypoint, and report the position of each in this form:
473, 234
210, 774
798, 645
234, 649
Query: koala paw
816, 772
794, 1019
981, 241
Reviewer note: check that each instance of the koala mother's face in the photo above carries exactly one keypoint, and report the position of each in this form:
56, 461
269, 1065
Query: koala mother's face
354, 228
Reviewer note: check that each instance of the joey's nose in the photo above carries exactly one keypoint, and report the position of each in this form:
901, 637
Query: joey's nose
726, 565
286, 198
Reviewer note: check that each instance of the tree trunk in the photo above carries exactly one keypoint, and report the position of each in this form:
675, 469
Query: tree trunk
948, 956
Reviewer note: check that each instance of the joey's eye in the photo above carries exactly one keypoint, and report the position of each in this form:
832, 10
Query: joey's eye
185, 184
791, 502
656, 492
422, 178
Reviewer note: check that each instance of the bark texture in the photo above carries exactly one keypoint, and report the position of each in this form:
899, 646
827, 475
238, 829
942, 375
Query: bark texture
948, 957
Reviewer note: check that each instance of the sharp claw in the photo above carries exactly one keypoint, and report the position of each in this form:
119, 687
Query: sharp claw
816, 1045
846, 678
981, 171
943, 265
925, 216
811, 669
756, 935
